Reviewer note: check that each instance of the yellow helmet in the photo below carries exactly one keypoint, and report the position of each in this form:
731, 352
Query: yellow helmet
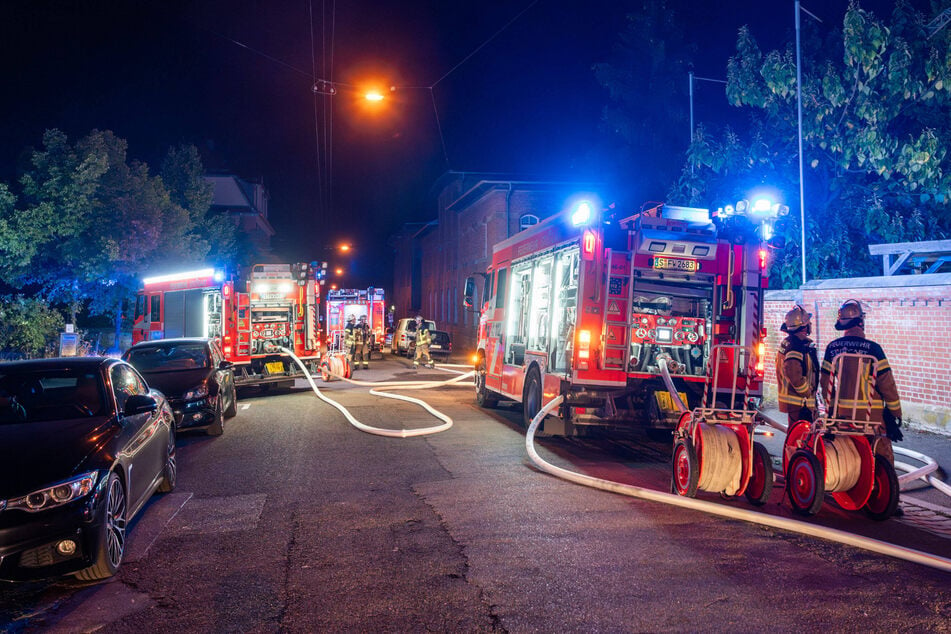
796, 319
850, 315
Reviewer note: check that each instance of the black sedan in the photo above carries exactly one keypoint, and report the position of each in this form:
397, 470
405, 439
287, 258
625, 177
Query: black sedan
84, 443
194, 376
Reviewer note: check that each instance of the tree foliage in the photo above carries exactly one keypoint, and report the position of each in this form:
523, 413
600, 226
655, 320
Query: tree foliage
648, 70
89, 221
876, 123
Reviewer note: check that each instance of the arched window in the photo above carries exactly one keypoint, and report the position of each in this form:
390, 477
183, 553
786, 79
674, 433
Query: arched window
527, 220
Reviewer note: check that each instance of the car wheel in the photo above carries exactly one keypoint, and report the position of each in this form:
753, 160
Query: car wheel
111, 540
170, 472
232, 410
218, 427
484, 397
531, 397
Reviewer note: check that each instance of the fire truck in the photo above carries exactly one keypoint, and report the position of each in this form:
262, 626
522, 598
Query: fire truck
368, 303
277, 306
595, 306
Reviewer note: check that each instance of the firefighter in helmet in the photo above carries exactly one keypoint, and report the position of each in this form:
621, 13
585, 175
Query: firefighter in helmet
361, 343
797, 367
883, 404
423, 340
349, 338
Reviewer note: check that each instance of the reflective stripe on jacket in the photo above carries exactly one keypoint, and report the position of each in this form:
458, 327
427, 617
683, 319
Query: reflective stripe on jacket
884, 393
797, 374
423, 338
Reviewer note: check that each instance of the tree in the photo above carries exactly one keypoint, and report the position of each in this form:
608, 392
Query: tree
91, 222
648, 72
876, 124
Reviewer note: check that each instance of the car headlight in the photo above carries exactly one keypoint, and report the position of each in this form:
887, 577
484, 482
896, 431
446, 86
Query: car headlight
55, 495
199, 392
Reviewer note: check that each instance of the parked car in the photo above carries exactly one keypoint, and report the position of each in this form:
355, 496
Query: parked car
406, 333
194, 376
72, 432
440, 348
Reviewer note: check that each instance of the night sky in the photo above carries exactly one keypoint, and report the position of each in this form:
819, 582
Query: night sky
234, 78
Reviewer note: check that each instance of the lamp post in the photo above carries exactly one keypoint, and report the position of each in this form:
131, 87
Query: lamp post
802, 198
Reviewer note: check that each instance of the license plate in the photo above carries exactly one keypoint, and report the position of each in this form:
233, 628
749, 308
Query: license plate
665, 403
675, 264
274, 367
435, 346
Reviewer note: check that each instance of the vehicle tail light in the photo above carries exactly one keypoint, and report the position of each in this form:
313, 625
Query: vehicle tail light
588, 244
584, 349
762, 259
760, 358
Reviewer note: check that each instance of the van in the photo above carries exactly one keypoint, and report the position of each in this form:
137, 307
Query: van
406, 333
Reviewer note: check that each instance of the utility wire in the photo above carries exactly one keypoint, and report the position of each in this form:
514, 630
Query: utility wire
481, 46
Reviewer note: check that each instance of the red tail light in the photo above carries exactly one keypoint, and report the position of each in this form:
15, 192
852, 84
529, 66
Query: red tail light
584, 349
588, 244
762, 259
761, 358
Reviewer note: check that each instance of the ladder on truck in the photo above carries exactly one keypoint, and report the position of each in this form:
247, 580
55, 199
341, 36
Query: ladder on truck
616, 333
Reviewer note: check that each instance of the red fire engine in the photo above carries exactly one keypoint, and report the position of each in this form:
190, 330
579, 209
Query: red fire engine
366, 303
277, 307
591, 307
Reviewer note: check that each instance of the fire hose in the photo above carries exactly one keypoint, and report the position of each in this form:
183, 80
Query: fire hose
378, 390
795, 526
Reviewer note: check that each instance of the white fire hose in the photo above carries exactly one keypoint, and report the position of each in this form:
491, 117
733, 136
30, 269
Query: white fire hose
377, 391
795, 526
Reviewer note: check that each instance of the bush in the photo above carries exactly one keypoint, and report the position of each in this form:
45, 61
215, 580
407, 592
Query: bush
28, 327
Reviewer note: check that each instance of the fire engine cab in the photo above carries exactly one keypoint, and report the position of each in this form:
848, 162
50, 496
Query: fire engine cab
278, 307
595, 307
367, 303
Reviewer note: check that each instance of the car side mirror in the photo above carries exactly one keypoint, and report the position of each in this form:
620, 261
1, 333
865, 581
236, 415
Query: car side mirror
140, 404
777, 242
469, 294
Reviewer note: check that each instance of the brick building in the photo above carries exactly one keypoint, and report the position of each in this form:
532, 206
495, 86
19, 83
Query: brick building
474, 211
909, 315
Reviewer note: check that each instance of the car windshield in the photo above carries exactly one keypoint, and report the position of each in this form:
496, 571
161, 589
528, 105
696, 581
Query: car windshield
169, 357
49, 394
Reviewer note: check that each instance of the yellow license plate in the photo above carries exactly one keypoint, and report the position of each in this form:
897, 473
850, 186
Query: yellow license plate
665, 403
274, 367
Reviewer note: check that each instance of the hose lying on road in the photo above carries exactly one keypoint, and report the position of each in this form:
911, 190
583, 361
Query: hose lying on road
377, 391
804, 528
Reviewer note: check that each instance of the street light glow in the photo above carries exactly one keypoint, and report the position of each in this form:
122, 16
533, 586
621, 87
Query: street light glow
373, 95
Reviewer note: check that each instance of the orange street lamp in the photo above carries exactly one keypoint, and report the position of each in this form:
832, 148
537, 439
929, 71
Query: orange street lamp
338, 271
344, 247
373, 95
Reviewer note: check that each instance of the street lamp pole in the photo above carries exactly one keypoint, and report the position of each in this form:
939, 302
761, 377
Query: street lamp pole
802, 198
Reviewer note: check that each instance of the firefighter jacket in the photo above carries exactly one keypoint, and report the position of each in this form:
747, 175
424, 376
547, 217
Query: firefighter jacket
423, 337
797, 374
874, 386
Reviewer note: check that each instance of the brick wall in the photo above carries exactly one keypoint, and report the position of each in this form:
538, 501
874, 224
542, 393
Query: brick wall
910, 316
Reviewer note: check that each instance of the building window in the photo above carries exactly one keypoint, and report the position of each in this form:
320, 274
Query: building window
527, 220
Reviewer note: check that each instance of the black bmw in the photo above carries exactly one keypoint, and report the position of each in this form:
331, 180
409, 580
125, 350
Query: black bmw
84, 443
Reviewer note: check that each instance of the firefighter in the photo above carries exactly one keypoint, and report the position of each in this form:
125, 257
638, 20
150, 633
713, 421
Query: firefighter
851, 320
349, 340
797, 367
423, 339
361, 343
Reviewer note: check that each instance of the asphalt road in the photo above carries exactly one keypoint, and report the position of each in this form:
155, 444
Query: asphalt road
294, 521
